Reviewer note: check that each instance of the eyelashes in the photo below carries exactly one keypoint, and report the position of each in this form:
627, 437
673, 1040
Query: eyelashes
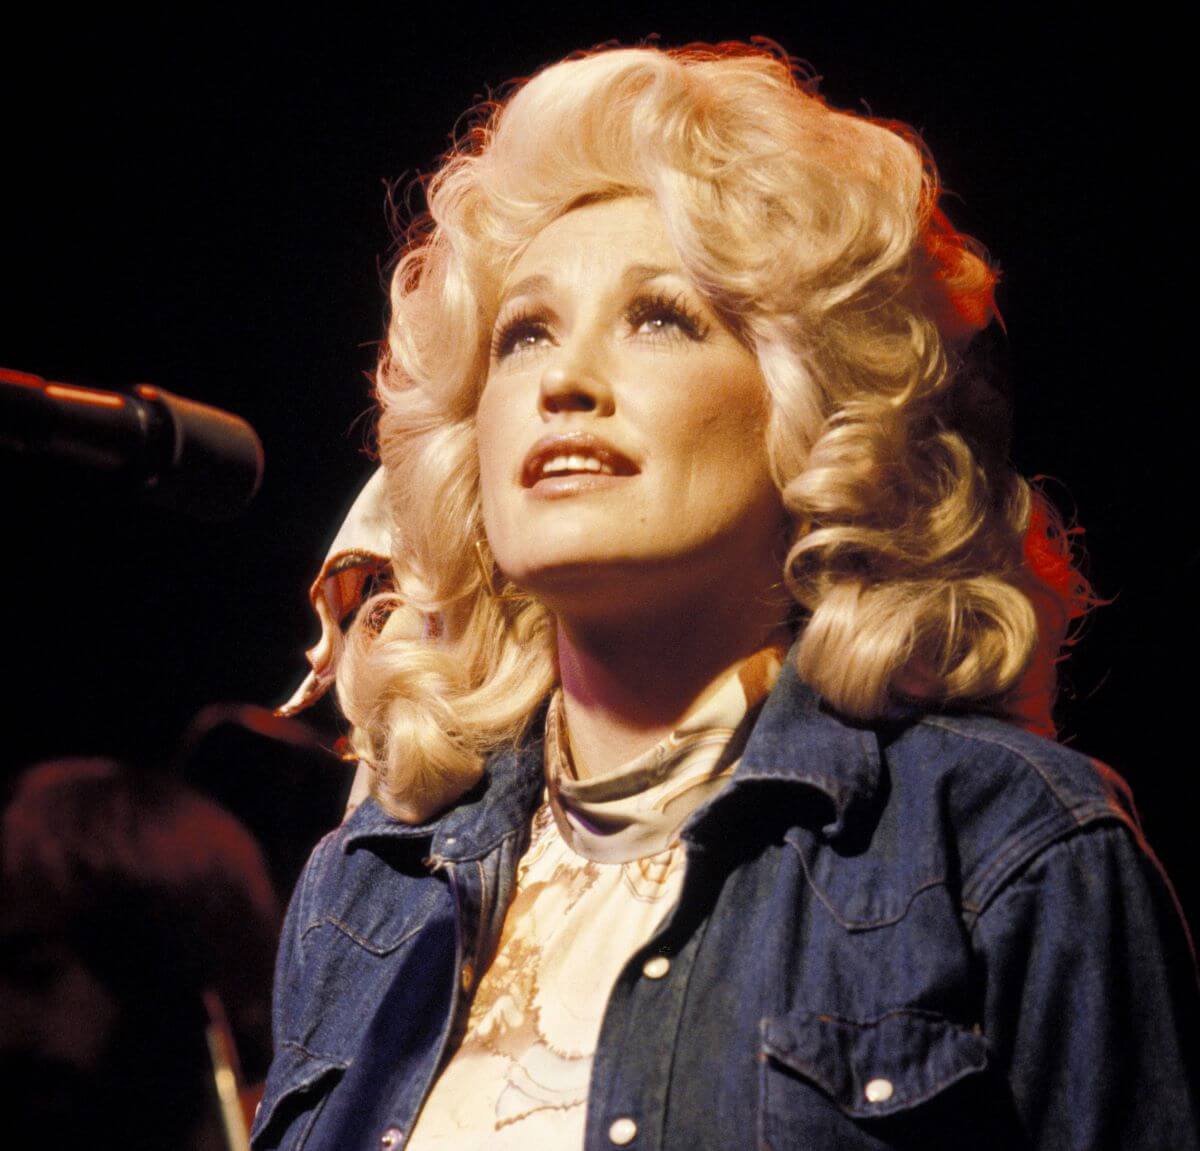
524, 324
674, 309
531, 323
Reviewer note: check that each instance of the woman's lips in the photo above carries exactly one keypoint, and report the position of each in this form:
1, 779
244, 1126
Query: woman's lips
572, 484
574, 456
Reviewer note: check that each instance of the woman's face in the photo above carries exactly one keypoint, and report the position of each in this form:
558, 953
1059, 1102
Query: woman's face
621, 429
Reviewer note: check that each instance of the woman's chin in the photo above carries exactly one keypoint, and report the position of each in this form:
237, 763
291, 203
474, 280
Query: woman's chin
592, 586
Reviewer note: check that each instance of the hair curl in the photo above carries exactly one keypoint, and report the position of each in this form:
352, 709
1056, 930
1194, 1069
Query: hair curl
923, 567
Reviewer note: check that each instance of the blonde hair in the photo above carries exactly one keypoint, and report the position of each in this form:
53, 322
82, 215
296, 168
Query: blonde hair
816, 235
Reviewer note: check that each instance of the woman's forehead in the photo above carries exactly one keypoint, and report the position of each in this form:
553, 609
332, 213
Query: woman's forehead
625, 236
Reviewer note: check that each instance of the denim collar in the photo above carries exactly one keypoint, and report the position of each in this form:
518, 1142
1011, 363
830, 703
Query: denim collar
499, 804
796, 740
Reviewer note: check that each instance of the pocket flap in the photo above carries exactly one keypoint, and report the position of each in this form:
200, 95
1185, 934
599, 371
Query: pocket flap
294, 1072
877, 1067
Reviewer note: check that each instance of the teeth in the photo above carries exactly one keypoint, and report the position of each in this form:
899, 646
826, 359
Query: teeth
561, 465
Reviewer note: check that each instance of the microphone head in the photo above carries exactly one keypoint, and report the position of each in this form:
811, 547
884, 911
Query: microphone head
147, 443
212, 462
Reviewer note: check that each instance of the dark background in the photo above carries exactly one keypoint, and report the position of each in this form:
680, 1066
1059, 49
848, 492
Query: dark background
200, 202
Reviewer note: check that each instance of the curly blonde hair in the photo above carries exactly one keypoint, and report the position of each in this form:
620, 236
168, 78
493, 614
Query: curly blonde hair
817, 237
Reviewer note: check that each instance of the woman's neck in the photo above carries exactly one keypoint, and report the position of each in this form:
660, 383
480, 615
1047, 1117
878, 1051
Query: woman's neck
628, 684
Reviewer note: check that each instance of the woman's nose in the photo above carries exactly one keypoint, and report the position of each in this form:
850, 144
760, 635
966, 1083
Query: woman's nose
575, 382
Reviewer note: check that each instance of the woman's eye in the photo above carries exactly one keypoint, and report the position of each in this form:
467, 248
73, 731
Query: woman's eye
518, 335
661, 320
660, 315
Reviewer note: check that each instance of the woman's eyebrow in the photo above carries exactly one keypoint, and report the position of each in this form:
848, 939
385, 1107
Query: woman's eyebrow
634, 274
640, 273
535, 283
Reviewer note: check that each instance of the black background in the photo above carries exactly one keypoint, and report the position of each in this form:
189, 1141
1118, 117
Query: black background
200, 202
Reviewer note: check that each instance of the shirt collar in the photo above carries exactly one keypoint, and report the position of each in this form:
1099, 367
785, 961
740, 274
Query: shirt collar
636, 810
796, 740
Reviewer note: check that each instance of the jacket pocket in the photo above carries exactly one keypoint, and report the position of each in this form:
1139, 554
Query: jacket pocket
297, 1086
909, 1077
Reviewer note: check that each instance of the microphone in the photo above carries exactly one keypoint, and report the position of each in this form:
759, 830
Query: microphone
174, 451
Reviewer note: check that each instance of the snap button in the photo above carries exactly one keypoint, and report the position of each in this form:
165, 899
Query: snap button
657, 967
622, 1131
879, 1090
390, 1138
468, 975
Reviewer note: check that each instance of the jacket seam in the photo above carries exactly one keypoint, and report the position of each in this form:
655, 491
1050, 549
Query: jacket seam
1005, 884
1023, 756
309, 880
365, 943
688, 992
471, 856
1000, 877
484, 913
923, 1013
480, 853
1013, 855
318, 1055
860, 924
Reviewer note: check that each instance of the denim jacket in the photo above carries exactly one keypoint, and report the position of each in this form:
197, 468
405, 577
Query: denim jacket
937, 933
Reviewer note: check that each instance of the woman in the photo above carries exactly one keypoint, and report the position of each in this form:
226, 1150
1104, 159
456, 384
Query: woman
704, 809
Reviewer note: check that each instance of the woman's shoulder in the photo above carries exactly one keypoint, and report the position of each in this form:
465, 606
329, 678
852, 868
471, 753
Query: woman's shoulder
1003, 795
351, 865
981, 750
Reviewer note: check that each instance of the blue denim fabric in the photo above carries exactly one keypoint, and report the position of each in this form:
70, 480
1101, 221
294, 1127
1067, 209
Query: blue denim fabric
944, 932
